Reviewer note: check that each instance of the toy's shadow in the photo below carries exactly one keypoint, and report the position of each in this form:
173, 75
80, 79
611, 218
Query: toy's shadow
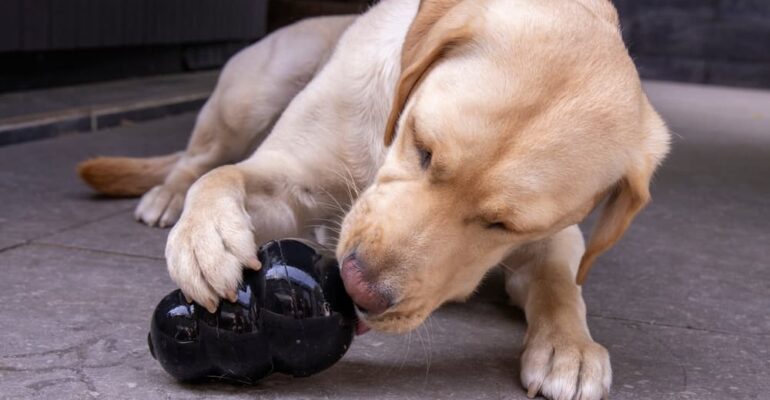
464, 351
463, 373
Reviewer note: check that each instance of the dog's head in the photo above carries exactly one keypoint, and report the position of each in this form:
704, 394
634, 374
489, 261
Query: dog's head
511, 121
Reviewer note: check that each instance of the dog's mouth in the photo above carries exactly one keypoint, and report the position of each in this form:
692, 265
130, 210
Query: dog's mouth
361, 327
393, 321
376, 301
364, 321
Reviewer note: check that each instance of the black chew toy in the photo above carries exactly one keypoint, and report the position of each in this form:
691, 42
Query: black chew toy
292, 316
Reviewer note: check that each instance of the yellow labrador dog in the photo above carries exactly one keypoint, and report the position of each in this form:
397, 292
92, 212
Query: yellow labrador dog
453, 136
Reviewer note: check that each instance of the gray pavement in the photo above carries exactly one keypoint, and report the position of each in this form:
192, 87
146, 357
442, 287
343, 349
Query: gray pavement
682, 303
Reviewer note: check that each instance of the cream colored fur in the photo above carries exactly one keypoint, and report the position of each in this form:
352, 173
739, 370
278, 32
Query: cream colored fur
529, 114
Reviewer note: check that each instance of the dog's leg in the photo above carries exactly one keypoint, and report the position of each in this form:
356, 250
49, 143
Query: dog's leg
560, 359
253, 90
277, 192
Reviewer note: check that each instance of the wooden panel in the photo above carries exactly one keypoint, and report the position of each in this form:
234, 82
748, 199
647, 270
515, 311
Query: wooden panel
79, 24
88, 23
35, 20
64, 20
133, 26
10, 25
284, 12
109, 23
210, 20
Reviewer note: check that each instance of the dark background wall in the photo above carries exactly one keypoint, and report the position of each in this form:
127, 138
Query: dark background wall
55, 42
52, 42
724, 42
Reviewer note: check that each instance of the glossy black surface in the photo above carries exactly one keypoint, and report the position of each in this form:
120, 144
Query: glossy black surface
293, 316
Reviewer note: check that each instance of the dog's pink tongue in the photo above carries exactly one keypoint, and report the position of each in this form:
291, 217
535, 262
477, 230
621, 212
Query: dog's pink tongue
361, 328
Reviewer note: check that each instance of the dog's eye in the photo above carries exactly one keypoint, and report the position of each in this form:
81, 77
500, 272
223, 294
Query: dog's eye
425, 157
497, 226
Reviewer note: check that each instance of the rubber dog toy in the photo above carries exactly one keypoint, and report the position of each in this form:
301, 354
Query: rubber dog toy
293, 316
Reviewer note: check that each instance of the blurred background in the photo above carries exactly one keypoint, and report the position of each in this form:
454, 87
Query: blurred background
47, 43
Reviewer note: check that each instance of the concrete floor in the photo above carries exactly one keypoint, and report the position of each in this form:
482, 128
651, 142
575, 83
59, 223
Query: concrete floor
682, 303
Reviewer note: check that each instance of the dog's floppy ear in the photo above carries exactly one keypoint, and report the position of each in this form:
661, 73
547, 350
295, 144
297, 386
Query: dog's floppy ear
629, 195
625, 200
434, 30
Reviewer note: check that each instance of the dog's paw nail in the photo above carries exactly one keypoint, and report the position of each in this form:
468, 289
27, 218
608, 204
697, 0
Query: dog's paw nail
532, 391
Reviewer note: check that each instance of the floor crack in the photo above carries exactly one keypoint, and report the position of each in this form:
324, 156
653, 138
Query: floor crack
64, 229
98, 251
667, 325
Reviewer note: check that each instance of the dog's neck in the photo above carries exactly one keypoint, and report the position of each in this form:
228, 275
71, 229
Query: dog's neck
368, 57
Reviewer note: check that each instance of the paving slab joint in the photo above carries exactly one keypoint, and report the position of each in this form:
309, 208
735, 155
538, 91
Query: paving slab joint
38, 126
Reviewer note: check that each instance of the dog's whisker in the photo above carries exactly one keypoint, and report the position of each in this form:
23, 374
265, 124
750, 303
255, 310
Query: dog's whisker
352, 180
327, 221
331, 237
331, 197
348, 185
506, 267
333, 208
425, 354
408, 348
340, 208
324, 227
320, 224
429, 334
349, 182
334, 222
350, 173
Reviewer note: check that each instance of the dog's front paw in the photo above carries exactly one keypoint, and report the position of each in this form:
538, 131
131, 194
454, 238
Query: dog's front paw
161, 206
565, 367
207, 250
